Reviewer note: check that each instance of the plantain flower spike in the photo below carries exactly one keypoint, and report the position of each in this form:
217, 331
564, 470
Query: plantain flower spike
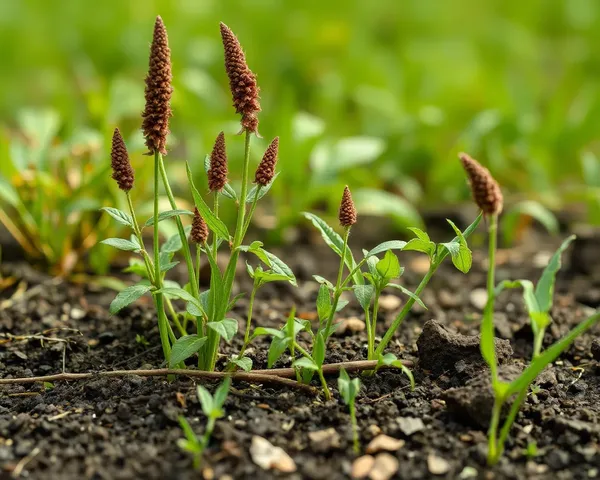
217, 172
347, 213
242, 82
199, 232
158, 92
486, 191
266, 168
119, 161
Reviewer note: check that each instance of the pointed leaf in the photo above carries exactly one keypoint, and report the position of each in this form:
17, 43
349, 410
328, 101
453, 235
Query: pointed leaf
262, 192
382, 247
185, 347
121, 244
305, 363
121, 217
544, 290
206, 400
227, 328
245, 363
166, 215
364, 295
127, 296
319, 350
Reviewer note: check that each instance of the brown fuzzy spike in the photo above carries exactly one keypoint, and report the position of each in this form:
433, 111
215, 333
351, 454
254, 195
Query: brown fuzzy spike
266, 168
242, 82
486, 191
347, 213
199, 233
217, 173
158, 92
119, 161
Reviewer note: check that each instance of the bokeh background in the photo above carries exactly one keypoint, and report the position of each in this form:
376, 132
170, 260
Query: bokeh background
380, 95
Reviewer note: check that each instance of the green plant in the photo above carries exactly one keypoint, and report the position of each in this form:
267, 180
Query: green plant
212, 406
348, 391
368, 285
538, 300
206, 309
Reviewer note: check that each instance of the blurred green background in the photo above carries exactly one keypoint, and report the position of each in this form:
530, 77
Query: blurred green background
381, 95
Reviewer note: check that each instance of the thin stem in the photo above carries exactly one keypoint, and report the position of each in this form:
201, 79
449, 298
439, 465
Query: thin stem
252, 209
354, 428
370, 335
491, 281
512, 414
374, 318
302, 351
255, 288
198, 255
538, 338
338, 289
215, 239
186, 247
409, 303
493, 431
239, 229
175, 317
324, 385
158, 297
138, 234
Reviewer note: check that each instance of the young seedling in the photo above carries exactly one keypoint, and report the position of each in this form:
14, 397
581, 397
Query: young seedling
348, 391
207, 309
212, 406
538, 300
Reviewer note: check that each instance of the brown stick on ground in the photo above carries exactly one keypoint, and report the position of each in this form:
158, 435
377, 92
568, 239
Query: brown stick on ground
280, 376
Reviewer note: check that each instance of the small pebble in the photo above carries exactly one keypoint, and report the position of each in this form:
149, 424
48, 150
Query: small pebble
478, 298
437, 465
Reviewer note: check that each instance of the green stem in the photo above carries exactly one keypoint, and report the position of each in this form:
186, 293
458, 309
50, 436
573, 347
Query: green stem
324, 384
138, 234
302, 351
338, 286
409, 303
239, 229
159, 301
176, 321
512, 414
354, 429
493, 431
252, 209
538, 339
374, 318
370, 335
215, 239
255, 288
186, 247
491, 282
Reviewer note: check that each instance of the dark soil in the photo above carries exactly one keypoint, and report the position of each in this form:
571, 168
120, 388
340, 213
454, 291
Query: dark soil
127, 427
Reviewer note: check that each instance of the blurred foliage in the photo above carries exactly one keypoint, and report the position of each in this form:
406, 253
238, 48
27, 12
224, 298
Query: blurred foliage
380, 95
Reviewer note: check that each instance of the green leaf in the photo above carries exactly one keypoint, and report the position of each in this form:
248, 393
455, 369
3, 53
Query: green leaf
278, 346
181, 293
168, 214
319, 350
279, 267
348, 388
245, 363
187, 431
121, 217
323, 303
391, 360
420, 244
234, 300
406, 291
267, 276
127, 296
544, 290
221, 393
213, 222
227, 328
549, 355
488, 349
229, 192
172, 245
364, 295
267, 331
385, 246
323, 281
185, 347
305, 362
461, 256
121, 244
389, 266
206, 400
336, 243
263, 190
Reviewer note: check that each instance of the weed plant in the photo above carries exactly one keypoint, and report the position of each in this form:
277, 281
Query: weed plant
538, 300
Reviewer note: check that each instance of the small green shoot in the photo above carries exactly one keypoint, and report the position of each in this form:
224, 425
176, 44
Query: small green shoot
212, 407
348, 391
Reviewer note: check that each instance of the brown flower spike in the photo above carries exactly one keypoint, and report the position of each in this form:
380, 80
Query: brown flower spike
158, 92
119, 161
266, 168
199, 232
242, 82
217, 173
486, 191
347, 214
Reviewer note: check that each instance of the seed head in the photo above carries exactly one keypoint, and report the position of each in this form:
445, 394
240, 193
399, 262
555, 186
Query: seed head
119, 161
486, 191
217, 173
266, 168
199, 232
347, 214
242, 82
158, 92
